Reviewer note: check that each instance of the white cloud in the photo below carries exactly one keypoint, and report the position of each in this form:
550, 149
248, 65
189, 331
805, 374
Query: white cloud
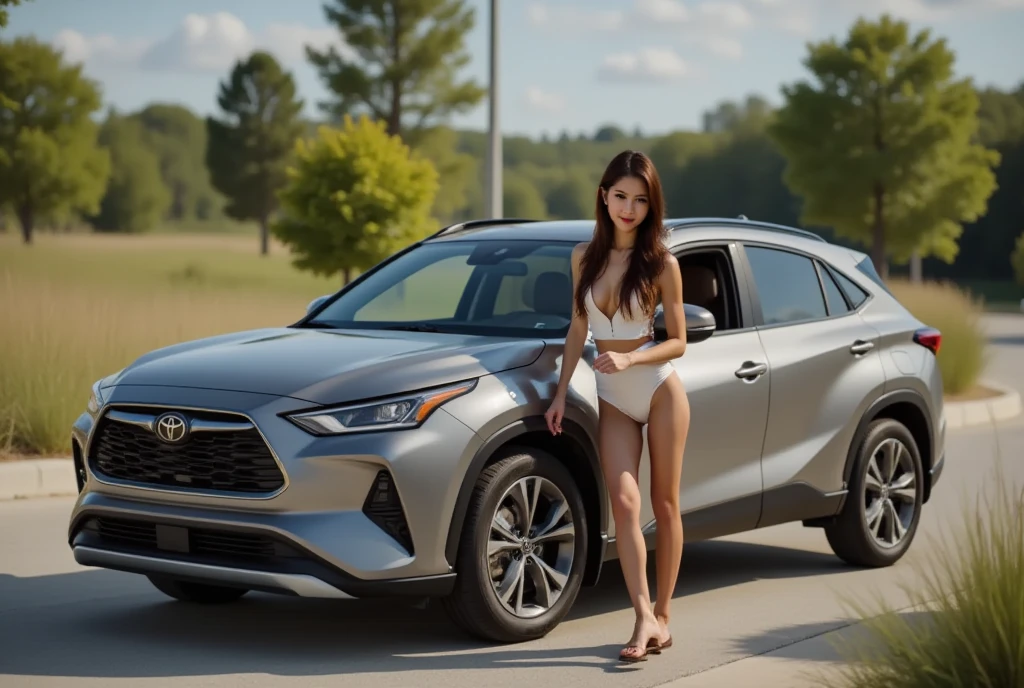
648, 64
211, 42
724, 14
287, 41
723, 46
545, 101
200, 43
562, 18
662, 11
101, 49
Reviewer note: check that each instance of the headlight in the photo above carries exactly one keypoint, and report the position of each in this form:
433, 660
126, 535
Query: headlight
96, 395
395, 413
95, 398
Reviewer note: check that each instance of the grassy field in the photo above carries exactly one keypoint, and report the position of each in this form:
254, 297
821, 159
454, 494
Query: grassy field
74, 308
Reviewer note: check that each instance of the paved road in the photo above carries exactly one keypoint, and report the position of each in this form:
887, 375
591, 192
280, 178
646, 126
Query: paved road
64, 625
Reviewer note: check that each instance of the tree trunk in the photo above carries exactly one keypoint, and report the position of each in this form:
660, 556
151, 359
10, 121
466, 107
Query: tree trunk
395, 116
346, 276
264, 236
26, 218
915, 267
878, 234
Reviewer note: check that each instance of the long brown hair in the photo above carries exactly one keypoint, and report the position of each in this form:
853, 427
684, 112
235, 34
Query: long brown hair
647, 259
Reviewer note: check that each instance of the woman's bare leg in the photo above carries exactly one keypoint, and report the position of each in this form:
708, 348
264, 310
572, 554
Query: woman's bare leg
667, 429
621, 445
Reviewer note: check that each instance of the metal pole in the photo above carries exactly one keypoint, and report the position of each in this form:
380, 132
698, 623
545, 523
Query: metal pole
495, 193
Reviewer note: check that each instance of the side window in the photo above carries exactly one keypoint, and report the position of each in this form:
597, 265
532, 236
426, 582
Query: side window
834, 295
787, 284
854, 293
868, 268
707, 282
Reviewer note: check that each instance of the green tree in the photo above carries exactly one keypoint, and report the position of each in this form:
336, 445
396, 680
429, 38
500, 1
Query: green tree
3, 12
247, 151
1017, 259
355, 195
521, 198
573, 197
178, 138
881, 147
136, 198
406, 57
457, 171
50, 163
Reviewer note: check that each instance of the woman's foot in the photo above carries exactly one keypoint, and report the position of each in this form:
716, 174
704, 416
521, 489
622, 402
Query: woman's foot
647, 634
665, 637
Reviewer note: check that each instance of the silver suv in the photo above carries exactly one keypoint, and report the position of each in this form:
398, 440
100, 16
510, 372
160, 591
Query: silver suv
392, 442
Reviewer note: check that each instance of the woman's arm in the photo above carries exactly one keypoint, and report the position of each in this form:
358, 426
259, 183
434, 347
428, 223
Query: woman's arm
671, 283
577, 335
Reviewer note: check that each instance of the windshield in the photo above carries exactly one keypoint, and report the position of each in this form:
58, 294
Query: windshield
503, 288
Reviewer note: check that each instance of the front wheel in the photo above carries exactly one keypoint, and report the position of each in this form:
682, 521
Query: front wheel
523, 550
186, 591
879, 519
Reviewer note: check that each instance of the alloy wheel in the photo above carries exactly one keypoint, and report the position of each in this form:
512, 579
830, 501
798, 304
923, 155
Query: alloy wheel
890, 493
531, 547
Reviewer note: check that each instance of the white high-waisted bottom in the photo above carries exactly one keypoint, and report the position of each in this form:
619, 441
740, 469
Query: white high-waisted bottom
632, 389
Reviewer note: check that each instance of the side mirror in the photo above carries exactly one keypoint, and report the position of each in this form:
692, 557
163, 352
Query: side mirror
315, 303
700, 324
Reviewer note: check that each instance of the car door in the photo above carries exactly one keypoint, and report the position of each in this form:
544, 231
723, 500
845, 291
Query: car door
825, 371
727, 380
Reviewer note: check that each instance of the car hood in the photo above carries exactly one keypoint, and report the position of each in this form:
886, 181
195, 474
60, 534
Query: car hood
327, 366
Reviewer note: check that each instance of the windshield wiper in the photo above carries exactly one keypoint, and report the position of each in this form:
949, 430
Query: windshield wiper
413, 328
314, 325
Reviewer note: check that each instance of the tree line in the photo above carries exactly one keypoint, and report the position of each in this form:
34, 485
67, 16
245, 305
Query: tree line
881, 147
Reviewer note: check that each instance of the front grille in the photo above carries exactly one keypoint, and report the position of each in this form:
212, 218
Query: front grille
384, 508
223, 545
224, 460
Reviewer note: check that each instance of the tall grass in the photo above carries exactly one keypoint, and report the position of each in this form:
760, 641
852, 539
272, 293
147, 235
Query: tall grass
956, 313
74, 311
973, 587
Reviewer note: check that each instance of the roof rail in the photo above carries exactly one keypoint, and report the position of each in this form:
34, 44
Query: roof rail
472, 224
742, 220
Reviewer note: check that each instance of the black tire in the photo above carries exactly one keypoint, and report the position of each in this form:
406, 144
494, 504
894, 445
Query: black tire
473, 604
200, 593
849, 535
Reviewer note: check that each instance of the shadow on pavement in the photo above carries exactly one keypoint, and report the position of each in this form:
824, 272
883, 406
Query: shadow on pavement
809, 643
99, 623
1007, 340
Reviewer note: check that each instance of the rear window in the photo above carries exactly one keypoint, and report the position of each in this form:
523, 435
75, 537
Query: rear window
868, 268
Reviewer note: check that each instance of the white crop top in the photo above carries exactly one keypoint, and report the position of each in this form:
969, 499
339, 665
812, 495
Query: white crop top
618, 327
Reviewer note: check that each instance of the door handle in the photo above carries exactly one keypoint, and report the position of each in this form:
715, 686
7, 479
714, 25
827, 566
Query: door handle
861, 347
751, 371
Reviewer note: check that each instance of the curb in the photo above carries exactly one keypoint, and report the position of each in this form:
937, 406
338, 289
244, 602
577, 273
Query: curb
56, 477
963, 414
37, 478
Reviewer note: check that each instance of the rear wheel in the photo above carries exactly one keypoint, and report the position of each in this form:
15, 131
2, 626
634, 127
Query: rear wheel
522, 551
879, 519
201, 593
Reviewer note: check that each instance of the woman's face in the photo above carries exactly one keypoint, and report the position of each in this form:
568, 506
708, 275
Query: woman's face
627, 203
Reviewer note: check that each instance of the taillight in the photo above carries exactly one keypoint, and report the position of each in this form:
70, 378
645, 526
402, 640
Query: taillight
929, 338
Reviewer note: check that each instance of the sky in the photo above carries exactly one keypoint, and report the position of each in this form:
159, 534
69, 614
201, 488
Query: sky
565, 65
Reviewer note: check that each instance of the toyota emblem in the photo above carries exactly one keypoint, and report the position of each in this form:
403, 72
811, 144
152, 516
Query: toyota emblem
171, 428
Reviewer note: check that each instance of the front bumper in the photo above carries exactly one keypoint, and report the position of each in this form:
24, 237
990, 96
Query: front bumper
322, 533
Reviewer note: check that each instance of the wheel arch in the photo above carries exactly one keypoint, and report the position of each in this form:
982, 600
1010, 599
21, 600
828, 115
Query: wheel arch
910, 409
575, 450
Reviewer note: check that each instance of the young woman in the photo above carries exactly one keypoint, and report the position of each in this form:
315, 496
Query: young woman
619, 276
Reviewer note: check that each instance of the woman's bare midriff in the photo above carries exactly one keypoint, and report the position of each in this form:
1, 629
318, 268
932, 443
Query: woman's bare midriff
620, 346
